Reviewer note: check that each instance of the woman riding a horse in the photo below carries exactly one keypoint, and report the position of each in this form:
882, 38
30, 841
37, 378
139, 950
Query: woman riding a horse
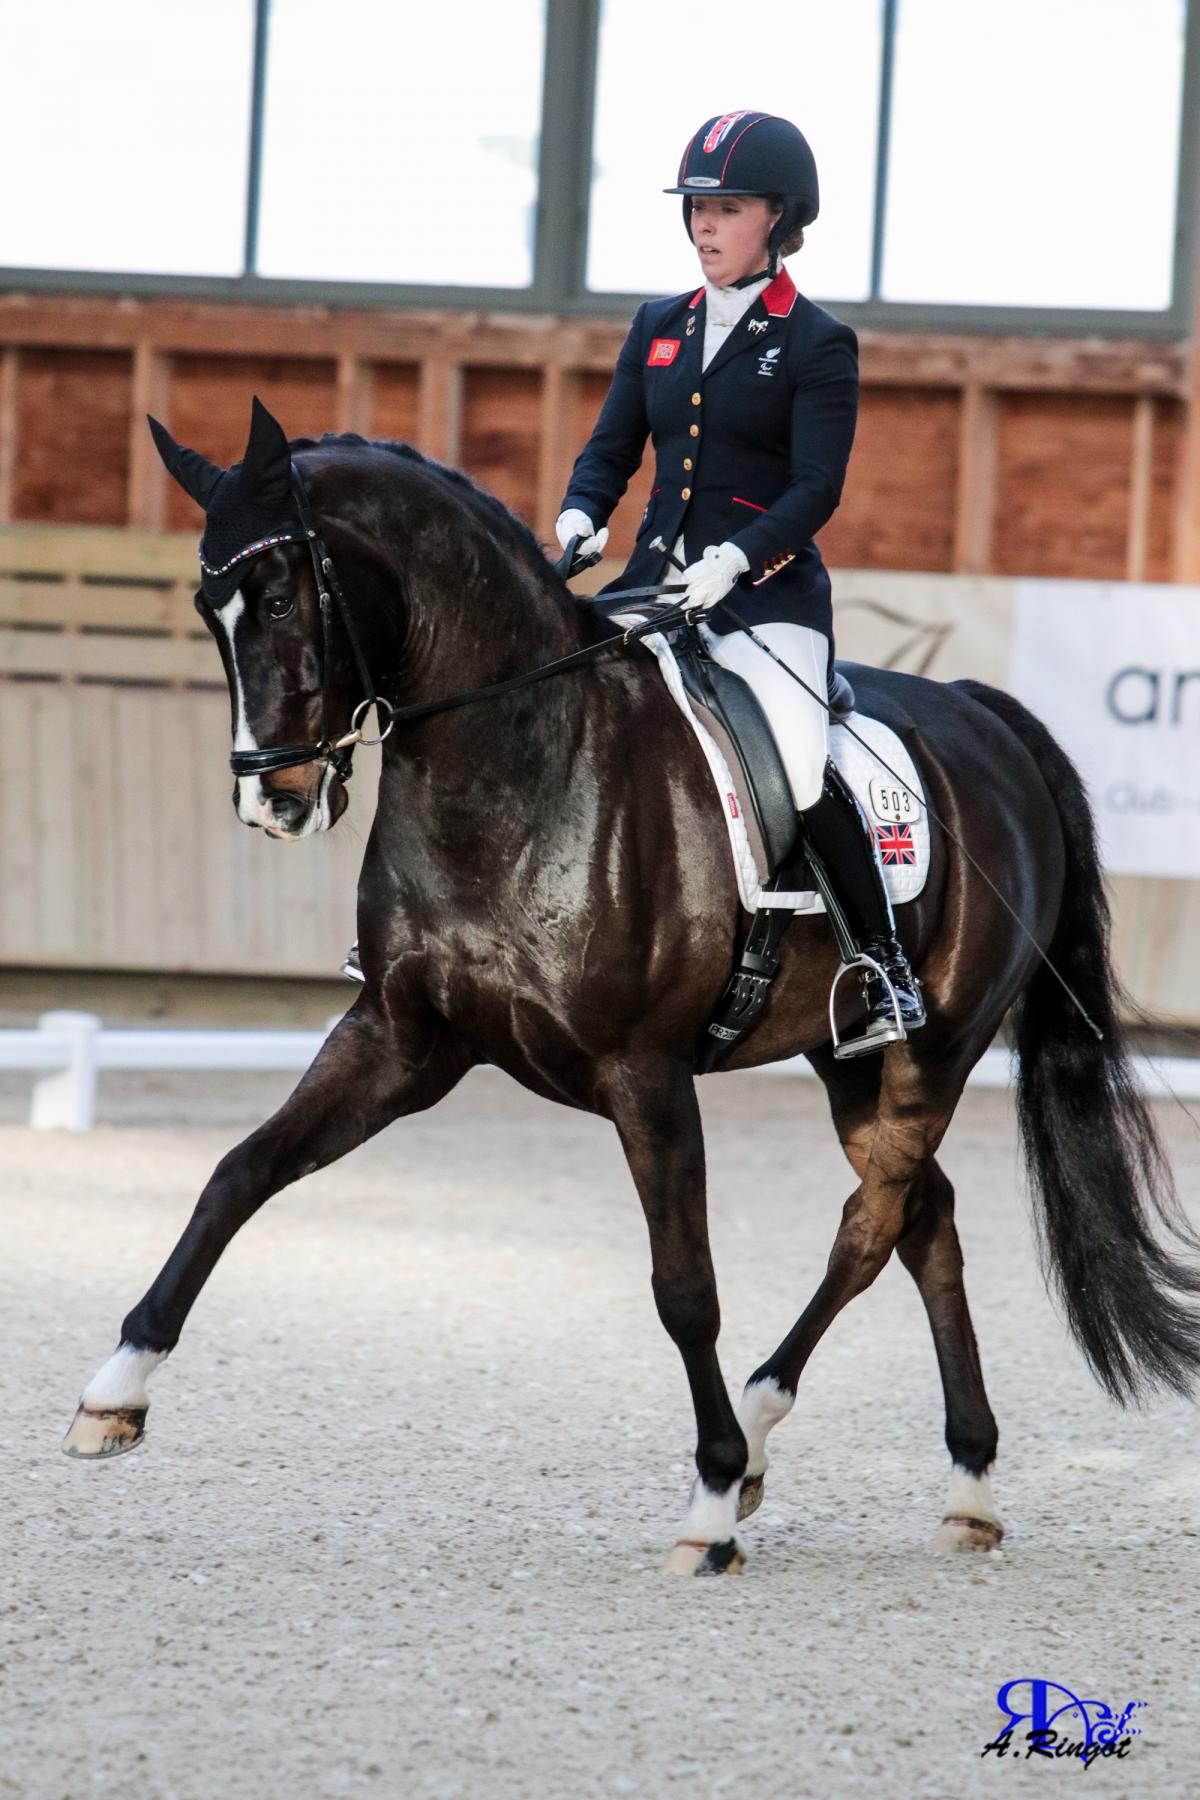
535, 898
750, 393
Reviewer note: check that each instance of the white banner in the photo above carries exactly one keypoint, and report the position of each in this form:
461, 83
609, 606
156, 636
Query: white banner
1114, 670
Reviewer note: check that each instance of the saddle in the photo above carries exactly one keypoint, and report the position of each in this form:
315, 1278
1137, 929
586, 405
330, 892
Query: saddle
728, 706
724, 708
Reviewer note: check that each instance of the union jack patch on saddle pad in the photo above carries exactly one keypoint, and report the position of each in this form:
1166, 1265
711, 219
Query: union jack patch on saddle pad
895, 844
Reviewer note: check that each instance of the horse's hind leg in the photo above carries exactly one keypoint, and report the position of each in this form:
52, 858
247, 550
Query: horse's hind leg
853, 1090
889, 1125
368, 1072
930, 1251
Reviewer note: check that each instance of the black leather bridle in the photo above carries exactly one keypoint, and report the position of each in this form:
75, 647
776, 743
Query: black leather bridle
337, 752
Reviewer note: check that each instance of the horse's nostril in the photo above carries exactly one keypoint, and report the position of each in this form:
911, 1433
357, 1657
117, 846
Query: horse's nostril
286, 809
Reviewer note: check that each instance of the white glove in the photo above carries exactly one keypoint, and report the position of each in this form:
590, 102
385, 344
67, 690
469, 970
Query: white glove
714, 576
574, 523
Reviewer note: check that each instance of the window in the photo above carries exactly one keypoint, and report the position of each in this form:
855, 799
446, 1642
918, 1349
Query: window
401, 142
663, 71
123, 135
1033, 153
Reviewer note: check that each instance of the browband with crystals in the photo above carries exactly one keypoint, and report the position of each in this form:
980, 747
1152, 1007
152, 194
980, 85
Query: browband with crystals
267, 543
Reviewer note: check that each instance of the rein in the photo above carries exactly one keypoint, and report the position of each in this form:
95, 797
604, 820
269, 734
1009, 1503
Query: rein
337, 752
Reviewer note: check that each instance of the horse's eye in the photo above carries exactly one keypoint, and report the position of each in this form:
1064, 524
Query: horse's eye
280, 605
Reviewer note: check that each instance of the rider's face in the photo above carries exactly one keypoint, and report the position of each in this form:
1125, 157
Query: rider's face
730, 233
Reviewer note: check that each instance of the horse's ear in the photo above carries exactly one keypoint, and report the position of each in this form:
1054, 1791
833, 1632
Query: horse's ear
194, 473
267, 464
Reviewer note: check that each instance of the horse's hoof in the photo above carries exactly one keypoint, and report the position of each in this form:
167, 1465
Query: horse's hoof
957, 1531
96, 1435
689, 1557
750, 1496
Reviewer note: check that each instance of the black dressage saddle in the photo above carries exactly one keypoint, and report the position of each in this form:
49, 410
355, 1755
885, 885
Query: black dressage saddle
728, 706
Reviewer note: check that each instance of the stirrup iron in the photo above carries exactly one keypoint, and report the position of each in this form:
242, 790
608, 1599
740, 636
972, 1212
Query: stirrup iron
887, 1032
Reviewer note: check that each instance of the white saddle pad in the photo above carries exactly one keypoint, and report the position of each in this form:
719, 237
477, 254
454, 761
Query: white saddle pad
896, 808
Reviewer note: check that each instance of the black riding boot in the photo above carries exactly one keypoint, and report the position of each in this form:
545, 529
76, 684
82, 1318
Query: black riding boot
846, 863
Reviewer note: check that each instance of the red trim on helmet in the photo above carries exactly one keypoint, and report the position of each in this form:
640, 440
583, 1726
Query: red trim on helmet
721, 124
779, 296
761, 119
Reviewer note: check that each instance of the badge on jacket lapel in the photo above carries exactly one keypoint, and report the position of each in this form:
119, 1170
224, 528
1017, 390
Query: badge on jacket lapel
662, 350
767, 363
759, 325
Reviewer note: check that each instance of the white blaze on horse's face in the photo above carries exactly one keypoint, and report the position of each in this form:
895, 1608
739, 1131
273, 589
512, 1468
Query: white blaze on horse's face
255, 806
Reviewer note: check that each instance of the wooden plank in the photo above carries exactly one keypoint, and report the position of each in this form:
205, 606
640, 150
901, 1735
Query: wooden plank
74, 432
99, 550
355, 389
975, 499
556, 448
100, 657
440, 409
522, 340
147, 509
74, 603
19, 844
1141, 474
897, 511
10, 377
500, 433
77, 602
1062, 486
1186, 561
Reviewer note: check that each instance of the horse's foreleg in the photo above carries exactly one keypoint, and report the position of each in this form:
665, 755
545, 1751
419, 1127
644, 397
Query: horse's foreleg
930, 1251
367, 1073
659, 1124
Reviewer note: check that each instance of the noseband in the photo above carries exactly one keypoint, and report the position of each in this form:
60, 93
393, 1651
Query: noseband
336, 752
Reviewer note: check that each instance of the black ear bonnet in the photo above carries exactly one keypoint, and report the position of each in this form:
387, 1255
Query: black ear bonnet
248, 508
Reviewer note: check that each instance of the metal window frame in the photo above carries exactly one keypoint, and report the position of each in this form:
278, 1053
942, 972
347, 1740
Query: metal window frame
564, 191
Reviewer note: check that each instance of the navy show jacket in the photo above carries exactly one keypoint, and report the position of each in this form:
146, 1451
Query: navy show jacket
752, 449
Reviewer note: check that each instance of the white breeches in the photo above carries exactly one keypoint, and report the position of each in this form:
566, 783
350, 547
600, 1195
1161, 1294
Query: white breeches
800, 725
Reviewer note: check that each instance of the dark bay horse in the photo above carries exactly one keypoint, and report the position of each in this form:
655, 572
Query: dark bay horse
547, 887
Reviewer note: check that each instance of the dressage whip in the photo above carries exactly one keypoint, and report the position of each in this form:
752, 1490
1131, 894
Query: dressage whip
918, 799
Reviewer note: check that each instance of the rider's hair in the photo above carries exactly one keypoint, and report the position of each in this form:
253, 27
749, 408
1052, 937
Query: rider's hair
796, 241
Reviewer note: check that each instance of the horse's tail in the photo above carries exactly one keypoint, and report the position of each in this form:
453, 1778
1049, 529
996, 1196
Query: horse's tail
1100, 1178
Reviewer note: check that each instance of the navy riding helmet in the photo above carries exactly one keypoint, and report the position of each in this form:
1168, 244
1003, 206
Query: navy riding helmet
752, 153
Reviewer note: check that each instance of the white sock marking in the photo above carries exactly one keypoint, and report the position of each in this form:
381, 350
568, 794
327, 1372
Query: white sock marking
122, 1380
712, 1515
760, 1408
971, 1496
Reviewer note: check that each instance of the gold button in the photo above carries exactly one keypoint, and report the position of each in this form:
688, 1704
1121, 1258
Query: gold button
687, 462
687, 494
695, 399
695, 431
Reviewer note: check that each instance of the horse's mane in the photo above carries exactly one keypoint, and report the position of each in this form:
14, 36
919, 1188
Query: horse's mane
507, 523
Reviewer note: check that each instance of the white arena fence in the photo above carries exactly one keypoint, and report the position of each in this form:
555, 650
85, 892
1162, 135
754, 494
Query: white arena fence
66, 1052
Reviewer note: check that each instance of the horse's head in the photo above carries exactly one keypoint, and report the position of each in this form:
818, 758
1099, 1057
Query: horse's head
289, 680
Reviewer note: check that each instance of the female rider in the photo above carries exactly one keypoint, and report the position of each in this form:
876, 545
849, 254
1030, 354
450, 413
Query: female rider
750, 393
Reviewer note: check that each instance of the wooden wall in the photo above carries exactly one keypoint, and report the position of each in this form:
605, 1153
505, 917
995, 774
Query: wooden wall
976, 455
119, 848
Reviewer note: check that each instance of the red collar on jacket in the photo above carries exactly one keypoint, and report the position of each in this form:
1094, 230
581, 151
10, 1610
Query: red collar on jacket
779, 296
